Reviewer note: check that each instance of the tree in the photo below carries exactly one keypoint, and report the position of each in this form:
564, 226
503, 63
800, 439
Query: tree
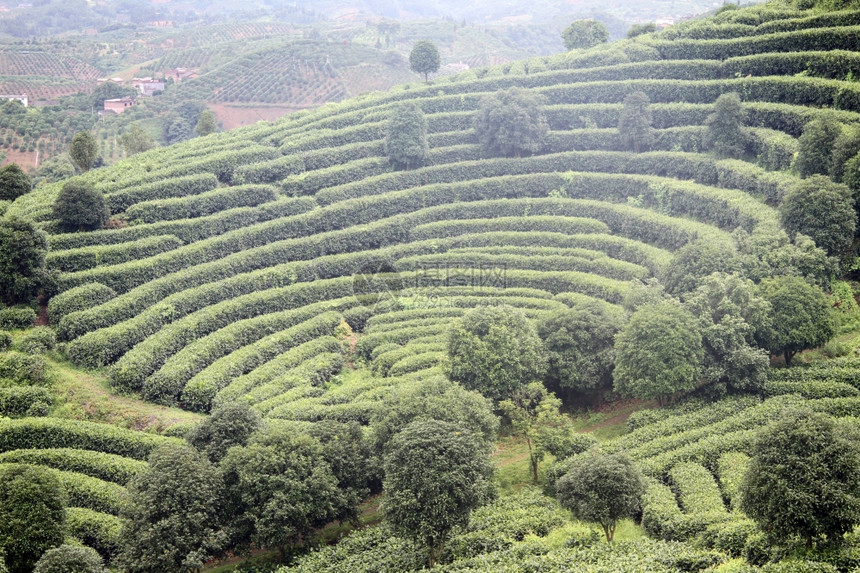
846, 146
54, 169
177, 129
80, 207
437, 398
731, 316
583, 34
206, 123
436, 473
280, 488
170, 522
634, 124
535, 416
494, 350
23, 247
822, 210
135, 140
14, 182
658, 353
580, 346
228, 425
725, 133
815, 147
639, 29
696, 260
511, 122
83, 150
424, 58
70, 559
802, 318
601, 487
406, 136
32, 514
803, 479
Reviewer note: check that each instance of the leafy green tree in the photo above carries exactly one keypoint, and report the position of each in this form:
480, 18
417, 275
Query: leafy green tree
822, 210
851, 175
803, 479
32, 514
536, 417
658, 353
14, 182
229, 425
70, 559
406, 136
639, 29
80, 207
177, 129
511, 122
84, 150
495, 350
23, 247
768, 252
437, 398
170, 523
846, 146
280, 488
135, 140
206, 123
583, 34
815, 147
424, 58
436, 473
634, 124
802, 318
54, 169
696, 260
580, 346
731, 316
601, 487
725, 133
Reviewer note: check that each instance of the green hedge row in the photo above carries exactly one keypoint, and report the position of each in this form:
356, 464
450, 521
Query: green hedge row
811, 388
45, 433
775, 150
273, 377
120, 200
835, 64
17, 400
539, 223
84, 258
24, 369
268, 171
663, 519
77, 299
290, 328
107, 467
417, 361
208, 203
89, 492
312, 373
731, 469
95, 529
698, 492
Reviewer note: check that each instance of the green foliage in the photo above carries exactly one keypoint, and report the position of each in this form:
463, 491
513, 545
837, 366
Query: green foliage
206, 123
22, 260
32, 515
135, 140
601, 487
38, 340
801, 318
846, 146
580, 346
639, 29
228, 425
280, 487
696, 260
84, 150
172, 514
436, 473
582, 34
815, 147
511, 122
406, 136
658, 353
822, 210
16, 317
70, 559
634, 123
495, 351
13, 182
803, 479
78, 298
424, 58
726, 135
80, 207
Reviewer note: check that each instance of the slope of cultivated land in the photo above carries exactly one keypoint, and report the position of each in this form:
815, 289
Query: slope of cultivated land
289, 266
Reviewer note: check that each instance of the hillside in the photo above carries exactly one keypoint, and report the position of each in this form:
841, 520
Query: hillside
289, 266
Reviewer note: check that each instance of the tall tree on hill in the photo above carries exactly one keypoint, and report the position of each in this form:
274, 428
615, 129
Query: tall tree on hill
23, 247
424, 58
80, 207
815, 147
823, 210
135, 140
83, 150
206, 123
14, 182
583, 34
634, 125
511, 122
406, 136
725, 133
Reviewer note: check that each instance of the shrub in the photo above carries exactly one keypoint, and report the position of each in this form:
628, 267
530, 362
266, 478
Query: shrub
38, 341
17, 317
77, 299
80, 207
22, 262
5, 341
24, 369
20, 400
70, 559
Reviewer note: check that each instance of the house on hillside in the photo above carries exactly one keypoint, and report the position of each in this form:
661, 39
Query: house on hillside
22, 98
118, 105
147, 86
180, 74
